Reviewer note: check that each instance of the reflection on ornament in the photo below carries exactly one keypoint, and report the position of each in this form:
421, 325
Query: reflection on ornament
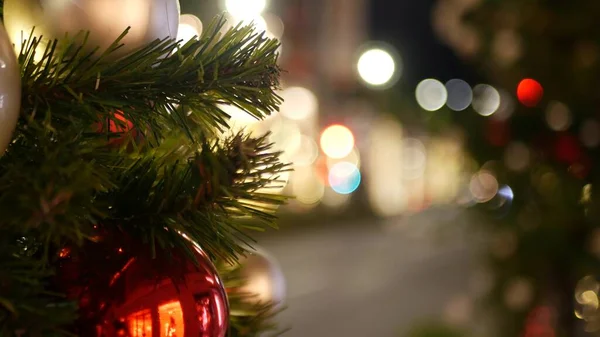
263, 278
10, 90
194, 304
587, 302
118, 128
105, 20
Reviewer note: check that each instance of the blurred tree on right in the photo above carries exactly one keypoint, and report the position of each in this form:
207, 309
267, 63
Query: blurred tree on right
537, 153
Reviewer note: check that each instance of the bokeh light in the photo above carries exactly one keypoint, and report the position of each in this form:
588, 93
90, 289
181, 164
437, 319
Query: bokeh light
275, 26
386, 193
558, 116
353, 157
483, 186
414, 158
506, 108
506, 193
189, 27
590, 133
307, 153
376, 67
245, 8
288, 139
337, 141
486, 99
431, 94
298, 103
306, 186
334, 200
517, 156
344, 178
460, 94
530, 92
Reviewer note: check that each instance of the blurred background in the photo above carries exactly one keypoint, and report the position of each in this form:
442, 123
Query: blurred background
401, 119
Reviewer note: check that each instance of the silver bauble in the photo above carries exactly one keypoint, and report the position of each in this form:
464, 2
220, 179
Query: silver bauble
263, 277
104, 19
10, 90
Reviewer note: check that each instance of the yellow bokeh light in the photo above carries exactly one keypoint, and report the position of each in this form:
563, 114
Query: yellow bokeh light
337, 141
298, 103
558, 116
376, 67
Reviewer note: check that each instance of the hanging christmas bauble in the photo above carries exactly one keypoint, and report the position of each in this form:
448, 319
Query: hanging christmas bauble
10, 90
193, 305
263, 277
106, 20
119, 129
166, 296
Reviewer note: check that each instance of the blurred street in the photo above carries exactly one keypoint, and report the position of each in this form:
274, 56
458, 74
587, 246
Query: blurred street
371, 279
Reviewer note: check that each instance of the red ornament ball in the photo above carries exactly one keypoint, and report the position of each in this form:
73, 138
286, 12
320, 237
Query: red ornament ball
193, 304
530, 92
117, 125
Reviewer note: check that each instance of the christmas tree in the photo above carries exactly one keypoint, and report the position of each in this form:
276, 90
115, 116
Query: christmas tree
120, 185
536, 149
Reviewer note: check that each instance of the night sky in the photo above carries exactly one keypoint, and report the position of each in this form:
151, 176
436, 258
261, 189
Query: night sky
406, 24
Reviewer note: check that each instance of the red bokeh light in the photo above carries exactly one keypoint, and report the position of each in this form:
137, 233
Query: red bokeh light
530, 92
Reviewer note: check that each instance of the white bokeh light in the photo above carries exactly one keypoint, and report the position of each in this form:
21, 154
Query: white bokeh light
245, 8
376, 67
460, 94
189, 27
298, 103
431, 94
486, 99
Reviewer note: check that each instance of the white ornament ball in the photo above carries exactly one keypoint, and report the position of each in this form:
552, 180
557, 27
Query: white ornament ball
10, 90
106, 20
264, 277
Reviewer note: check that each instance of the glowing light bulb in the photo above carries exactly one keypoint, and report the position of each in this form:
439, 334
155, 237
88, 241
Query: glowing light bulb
337, 141
245, 8
376, 67
431, 94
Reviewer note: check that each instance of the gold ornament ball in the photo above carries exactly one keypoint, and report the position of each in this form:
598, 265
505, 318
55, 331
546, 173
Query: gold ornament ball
10, 90
104, 19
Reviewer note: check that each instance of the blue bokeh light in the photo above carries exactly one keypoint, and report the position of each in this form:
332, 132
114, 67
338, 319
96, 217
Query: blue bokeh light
344, 178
